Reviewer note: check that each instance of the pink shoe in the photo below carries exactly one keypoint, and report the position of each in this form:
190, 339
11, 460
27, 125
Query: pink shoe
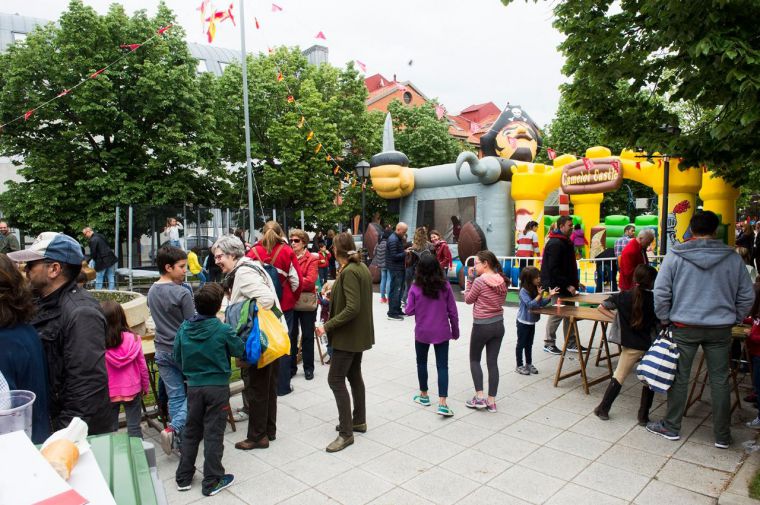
383, 300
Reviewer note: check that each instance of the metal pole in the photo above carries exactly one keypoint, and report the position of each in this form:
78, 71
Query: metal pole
116, 237
303, 227
664, 210
363, 227
248, 168
129, 244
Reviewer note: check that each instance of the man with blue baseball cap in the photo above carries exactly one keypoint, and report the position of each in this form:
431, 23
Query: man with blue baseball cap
72, 328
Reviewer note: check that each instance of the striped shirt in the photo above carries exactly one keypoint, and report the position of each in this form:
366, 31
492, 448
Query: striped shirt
527, 245
620, 245
487, 293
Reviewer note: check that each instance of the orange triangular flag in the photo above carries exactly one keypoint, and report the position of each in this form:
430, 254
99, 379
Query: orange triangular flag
319, 148
279, 77
95, 74
63, 93
328, 158
310, 136
211, 29
291, 99
163, 29
335, 172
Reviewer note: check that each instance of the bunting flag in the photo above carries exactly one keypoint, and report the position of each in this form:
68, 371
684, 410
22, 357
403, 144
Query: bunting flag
28, 114
335, 171
163, 29
440, 111
97, 73
310, 136
211, 32
63, 93
588, 163
319, 148
301, 122
328, 158
270, 50
291, 99
353, 184
279, 77
551, 153
361, 65
320, 35
202, 8
131, 47
276, 8
228, 15
256, 20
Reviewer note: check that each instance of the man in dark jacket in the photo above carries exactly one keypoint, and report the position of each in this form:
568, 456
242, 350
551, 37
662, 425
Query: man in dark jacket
72, 328
559, 270
104, 258
394, 262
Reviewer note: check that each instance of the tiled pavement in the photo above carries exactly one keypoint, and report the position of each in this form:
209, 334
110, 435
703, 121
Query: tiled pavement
543, 446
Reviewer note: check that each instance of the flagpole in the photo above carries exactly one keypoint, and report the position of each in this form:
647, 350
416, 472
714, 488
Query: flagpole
248, 168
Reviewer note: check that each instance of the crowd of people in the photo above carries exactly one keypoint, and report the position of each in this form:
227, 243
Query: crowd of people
82, 360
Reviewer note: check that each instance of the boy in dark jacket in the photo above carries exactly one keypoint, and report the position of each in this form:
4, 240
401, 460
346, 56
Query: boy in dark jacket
203, 348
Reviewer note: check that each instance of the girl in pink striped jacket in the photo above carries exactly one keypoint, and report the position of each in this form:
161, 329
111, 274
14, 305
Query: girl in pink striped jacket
487, 293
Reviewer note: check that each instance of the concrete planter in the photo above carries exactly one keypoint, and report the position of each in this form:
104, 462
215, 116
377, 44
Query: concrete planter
134, 304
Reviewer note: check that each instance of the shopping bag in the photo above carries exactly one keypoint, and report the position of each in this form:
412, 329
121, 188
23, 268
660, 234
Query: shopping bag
658, 367
243, 317
275, 341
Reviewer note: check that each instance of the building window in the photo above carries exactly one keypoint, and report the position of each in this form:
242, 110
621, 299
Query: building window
407, 97
223, 65
202, 67
19, 37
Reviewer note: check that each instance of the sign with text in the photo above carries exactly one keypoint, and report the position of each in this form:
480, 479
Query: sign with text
591, 175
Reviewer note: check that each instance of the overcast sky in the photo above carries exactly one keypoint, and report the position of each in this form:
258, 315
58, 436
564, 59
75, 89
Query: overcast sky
462, 52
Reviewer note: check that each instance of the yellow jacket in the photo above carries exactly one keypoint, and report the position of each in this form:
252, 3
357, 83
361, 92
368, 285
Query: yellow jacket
192, 263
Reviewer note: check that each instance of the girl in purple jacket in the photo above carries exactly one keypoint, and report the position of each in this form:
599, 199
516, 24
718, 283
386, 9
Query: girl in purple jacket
436, 321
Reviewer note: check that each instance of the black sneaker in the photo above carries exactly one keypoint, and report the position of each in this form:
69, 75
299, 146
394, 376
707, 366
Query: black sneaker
658, 428
222, 483
552, 349
572, 347
395, 318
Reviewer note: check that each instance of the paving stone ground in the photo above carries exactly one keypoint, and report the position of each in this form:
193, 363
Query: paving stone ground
543, 446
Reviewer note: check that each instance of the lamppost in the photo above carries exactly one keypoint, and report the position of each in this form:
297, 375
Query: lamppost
362, 170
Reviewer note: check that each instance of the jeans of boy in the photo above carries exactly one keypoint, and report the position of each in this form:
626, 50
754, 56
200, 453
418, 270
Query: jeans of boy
133, 413
174, 382
441, 365
607, 269
305, 320
715, 343
202, 277
109, 273
525, 334
756, 380
323, 274
206, 420
396, 289
348, 365
286, 368
385, 281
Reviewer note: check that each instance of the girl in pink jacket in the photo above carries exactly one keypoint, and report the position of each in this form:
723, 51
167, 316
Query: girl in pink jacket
127, 371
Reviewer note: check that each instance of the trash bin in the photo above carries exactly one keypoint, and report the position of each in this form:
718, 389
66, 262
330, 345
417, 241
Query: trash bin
16, 411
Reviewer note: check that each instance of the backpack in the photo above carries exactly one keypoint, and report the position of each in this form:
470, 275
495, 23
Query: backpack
242, 316
272, 271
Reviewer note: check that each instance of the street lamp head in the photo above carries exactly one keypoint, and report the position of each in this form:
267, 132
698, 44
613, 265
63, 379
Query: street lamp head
362, 169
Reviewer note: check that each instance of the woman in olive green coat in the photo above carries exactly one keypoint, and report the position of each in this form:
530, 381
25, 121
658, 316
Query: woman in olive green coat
350, 331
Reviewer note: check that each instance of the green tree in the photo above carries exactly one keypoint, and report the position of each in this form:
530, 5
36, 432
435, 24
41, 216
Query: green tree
572, 132
290, 173
137, 133
636, 66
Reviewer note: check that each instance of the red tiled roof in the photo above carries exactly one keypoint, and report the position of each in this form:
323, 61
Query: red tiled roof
480, 112
375, 82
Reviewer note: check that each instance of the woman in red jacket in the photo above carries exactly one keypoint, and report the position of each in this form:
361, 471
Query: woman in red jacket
273, 249
305, 312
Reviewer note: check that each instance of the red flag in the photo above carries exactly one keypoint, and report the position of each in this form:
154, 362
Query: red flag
551, 153
163, 29
440, 111
256, 20
512, 142
63, 93
276, 8
28, 114
320, 35
279, 77
291, 99
95, 74
361, 65
588, 163
225, 15
131, 47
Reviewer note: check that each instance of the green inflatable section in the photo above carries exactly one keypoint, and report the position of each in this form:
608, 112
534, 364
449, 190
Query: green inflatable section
549, 220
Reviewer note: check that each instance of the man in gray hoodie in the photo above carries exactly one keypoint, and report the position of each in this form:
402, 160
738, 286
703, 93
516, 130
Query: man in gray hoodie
702, 290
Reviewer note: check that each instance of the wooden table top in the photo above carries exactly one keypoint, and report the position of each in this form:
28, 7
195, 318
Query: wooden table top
589, 313
589, 298
148, 347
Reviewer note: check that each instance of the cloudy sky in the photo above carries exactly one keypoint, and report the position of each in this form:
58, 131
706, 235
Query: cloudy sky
461, 52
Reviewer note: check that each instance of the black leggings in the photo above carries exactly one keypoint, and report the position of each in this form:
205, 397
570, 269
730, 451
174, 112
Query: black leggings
488, 336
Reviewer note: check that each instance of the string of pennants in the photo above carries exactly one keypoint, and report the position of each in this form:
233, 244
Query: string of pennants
129, 49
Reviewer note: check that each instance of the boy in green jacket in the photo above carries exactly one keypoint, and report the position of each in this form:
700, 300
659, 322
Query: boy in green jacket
203, 348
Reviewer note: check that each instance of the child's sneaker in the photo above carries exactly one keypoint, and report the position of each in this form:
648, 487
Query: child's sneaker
445, 411
755, 423
222, 483
184, 487
476, 403
522, 370
532, 369
422, 400
491, 407
167, 439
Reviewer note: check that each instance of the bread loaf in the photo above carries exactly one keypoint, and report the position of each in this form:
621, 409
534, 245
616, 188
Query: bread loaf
62, 456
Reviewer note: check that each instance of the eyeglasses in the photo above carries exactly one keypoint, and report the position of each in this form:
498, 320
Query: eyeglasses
31, 264
218, 257
295, 241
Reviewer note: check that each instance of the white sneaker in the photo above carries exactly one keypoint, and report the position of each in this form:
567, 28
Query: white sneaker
755, 423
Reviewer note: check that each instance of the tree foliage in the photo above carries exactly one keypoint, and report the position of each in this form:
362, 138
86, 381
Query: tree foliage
638, 65
136, 133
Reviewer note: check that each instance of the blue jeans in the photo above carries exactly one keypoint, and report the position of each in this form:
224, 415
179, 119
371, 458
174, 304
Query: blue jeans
441, 364
175, 243
174, 382
110, 272
202, 278
396, 289
323, 274
385, 281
